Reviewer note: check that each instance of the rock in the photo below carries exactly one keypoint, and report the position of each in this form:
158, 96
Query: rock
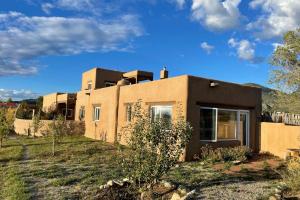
278, 191
236, 162
110, 183
182, 190
102, 187
175, 196
167, 184
189, 195
272, 198
120, 183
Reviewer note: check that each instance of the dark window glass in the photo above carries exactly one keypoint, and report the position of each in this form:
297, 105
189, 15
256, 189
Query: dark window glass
207, 124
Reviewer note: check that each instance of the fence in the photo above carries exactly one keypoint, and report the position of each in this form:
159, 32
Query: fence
281, 117
24, 127
277, 138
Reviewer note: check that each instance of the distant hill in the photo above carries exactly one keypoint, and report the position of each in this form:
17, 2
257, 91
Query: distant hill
268, 97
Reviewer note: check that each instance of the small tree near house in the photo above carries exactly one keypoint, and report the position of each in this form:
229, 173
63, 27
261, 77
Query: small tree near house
37, 124
57, 130
4, 127
155, 145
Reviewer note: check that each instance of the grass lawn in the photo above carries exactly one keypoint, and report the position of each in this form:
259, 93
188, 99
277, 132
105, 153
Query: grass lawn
81, 165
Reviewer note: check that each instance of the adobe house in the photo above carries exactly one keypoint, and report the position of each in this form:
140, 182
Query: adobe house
221, 113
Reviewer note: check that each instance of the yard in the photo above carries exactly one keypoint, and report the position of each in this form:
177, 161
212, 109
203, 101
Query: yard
28, 171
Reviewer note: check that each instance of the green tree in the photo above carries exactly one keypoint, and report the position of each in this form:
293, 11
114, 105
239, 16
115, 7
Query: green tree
286, 73
58, 129
155, 145
39, 103
9, 100
4, 128
36, 123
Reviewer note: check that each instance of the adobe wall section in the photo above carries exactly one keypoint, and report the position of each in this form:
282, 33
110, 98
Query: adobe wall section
24, 126
276, 138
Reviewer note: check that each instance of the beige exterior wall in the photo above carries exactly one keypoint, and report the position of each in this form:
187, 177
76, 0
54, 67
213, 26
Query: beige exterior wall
98, 77
49, 101
224, 95
24, 126
104, 129
276, 138
172, 92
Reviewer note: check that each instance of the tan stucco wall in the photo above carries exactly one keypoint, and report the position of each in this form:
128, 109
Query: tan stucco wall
225, 95
49, 101
172, 91
22, 126
104, 128
98, 77
82, 100
276, 138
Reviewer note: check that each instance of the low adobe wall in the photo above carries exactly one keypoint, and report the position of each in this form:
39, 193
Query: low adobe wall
24, 127
276, 138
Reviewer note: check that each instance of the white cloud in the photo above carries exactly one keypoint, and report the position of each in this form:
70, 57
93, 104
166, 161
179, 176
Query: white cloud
278, 17
23, 39
95, 7
46, 7
17, 94
179, 3
245, 50
216, 14
206, 47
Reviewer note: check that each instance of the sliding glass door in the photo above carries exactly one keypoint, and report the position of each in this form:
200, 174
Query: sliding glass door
244, 127
218, 124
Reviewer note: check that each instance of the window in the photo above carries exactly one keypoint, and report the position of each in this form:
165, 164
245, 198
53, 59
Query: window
82, 113
221, 124
70, 113
89, 85
128, 112
97, 113
109, 83
207, 124
161, 112
227, 124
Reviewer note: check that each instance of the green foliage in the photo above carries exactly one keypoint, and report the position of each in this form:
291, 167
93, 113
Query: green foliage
155, 145
36, 123
240, 153
24, 111
292, 175
286, 75
58, 129
4, 127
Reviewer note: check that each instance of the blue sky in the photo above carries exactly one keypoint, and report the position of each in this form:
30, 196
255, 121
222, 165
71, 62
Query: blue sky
46, 45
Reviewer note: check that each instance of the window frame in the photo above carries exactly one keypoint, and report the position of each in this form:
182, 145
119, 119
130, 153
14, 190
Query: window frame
94, 113
237, 129
82, 112
126, 114
89, 83
159, 106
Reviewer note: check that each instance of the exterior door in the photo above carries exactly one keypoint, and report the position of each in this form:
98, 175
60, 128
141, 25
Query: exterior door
244, 127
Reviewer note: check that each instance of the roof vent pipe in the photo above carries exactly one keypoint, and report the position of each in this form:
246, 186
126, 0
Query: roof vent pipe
164, 73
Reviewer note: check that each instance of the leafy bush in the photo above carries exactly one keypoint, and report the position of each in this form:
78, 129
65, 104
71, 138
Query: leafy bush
155, 145
24, 111
240, 153
292, 175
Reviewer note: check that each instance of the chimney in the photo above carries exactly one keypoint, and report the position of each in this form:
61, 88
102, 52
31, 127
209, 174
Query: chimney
164, 73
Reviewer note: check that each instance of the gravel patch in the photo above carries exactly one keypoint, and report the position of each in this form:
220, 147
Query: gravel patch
243, 190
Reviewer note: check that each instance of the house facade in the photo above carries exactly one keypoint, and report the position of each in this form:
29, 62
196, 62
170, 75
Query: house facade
221, 114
